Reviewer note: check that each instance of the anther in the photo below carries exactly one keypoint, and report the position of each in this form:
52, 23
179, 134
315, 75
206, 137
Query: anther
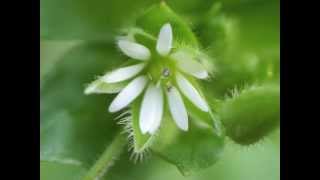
165, 72
169, 86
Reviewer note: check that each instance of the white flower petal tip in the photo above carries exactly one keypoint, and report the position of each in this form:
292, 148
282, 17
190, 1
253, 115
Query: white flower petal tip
164, 42
191, 93
186, 64
123, 73
151, 110
201, 74
128, 94
177, 108
134, 50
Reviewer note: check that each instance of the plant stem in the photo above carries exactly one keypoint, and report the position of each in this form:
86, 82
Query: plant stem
217, 123
111, 153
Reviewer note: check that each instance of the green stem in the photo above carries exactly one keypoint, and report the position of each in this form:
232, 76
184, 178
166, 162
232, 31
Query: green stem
217, 123
107, 158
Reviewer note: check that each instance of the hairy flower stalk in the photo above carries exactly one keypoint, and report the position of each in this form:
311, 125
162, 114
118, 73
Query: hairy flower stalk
162, 76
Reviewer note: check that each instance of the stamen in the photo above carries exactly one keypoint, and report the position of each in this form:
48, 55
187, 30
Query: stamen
166, 72
169, 86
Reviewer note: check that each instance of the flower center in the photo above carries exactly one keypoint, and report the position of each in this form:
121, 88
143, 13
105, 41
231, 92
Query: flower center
161, 69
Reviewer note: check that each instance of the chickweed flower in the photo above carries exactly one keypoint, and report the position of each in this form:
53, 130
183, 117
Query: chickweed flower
162, 78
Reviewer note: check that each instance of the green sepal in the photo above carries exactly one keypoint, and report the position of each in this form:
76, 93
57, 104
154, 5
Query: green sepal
140, 141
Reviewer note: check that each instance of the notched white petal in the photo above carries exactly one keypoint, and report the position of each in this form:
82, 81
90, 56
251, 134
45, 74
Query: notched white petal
177, 108
191, 93
164, 42
151, 110
128, 94
123, 73
134, 50
186, 64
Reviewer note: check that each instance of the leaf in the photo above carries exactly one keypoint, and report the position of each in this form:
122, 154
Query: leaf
87, 20
190, 151
75, 126
54, 171
244, 50
99, 19
51, 52
251, 114
154, 18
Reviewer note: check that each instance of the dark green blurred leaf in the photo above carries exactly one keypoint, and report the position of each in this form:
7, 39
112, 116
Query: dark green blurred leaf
87, 20
54, 171
99, 19
51, 52
76, 127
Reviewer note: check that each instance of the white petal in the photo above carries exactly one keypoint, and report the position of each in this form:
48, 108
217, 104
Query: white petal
164, 42
123, 73
128, 94
151, 110
177, 108
191, 93
186, 64
134, 50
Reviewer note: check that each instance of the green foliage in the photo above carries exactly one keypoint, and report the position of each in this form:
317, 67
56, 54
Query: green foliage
79, 138
190, 151
74, 127
251, 114
53, 171
152, 20
98, 19
243, 40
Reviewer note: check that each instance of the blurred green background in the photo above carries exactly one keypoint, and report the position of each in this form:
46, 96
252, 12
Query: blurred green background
77, 44
260, 161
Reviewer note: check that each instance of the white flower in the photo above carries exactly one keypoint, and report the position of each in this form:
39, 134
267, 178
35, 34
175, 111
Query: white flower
162, 76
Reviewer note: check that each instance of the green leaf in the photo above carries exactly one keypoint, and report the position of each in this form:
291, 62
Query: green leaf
251, 114
87, 20
190, 151
154, 18
244, 50
51, 52
99, 19
75, 126
259, 24
54, 171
